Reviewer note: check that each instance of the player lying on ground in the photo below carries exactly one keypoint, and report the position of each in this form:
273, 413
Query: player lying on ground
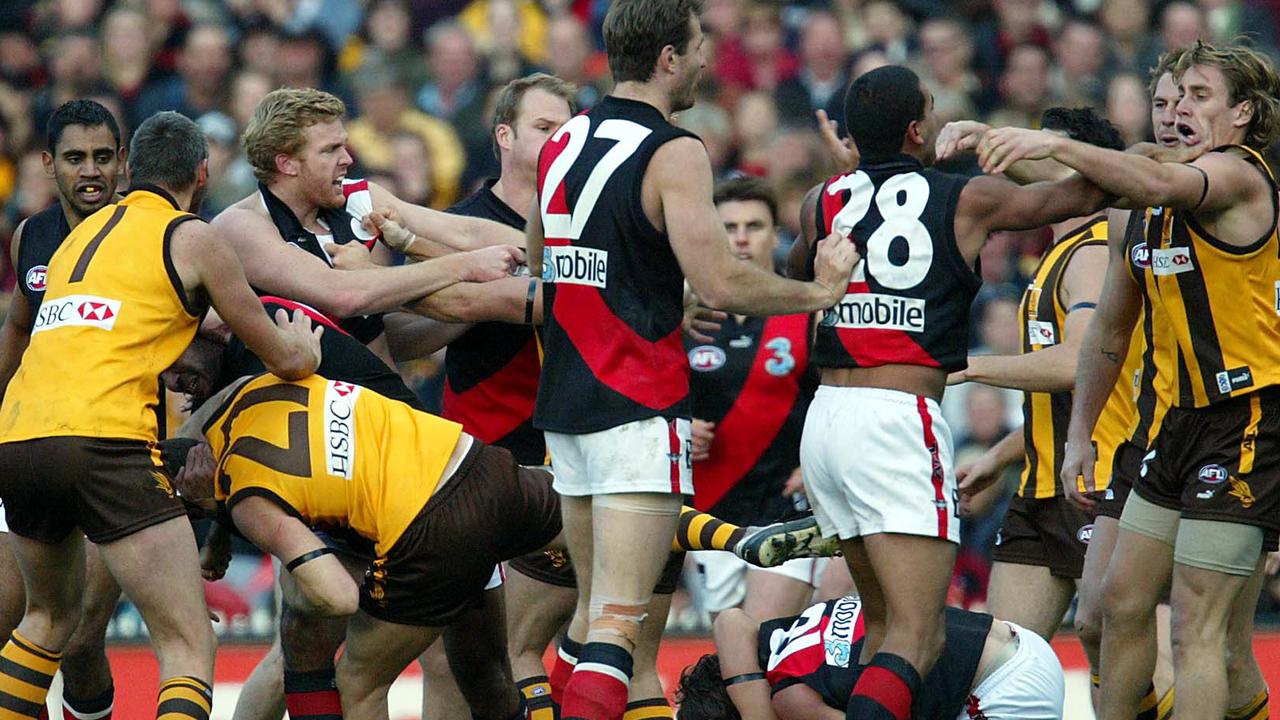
804, 667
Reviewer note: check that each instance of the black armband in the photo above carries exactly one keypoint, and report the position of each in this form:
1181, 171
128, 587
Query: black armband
743, 678
1082, 306
307, 557
1204, 191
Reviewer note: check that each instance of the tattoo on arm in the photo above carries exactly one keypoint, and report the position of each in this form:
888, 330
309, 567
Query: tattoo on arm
1110, 355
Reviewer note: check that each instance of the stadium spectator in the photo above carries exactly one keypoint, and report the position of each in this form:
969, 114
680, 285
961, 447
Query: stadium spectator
822, 78
201, 83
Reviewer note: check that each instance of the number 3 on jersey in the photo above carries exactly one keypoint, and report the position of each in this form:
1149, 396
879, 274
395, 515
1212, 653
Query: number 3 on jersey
901, 201
626, 134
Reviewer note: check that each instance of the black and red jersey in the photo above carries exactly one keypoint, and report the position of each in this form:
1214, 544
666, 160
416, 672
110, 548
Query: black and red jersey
908, 300
754, 381
612, 341
491, 372
344, 224
820, 648
42, 235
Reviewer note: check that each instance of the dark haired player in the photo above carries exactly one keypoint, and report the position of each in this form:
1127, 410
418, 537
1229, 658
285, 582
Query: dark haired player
1039, 556
804, 667
876, 452
750, 387
85, 157
624, 215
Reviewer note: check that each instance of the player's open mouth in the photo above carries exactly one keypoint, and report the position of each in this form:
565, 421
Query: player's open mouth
91, 192
1187, 134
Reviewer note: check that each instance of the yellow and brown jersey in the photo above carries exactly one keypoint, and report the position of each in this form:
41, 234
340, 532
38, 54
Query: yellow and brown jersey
114, 316
1151, 380
1222, 303
331, 453
1042, 319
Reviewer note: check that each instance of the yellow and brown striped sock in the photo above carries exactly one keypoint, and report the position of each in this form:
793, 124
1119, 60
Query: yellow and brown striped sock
652, 709
700, 531
537, 698
1259, 708
1149, 706
184, 698
1164, 711
26, 671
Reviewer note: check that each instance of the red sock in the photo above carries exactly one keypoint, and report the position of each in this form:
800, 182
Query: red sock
885, 690
566, 659
598, 688
312, 695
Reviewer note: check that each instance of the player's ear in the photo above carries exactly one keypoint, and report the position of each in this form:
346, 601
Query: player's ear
503, 134
667, 59
1242, 113
123, 154
913, 133
202, 173
47, 159
287, 165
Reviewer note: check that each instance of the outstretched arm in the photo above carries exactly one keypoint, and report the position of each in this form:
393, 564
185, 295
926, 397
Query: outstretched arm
459, 232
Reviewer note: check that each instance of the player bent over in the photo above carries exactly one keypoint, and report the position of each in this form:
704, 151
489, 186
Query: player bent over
804, 667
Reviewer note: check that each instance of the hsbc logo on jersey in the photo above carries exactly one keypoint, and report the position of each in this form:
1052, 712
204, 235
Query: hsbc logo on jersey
875, 311
36, 278
569, 265
77, 311
1171, 261
340, 428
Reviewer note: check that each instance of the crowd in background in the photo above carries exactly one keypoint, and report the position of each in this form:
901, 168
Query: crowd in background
419, 78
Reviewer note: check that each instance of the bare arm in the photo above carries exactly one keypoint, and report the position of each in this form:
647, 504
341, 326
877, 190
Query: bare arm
975, 477
459, 232
326, 590
1106, 343
345, 293
681, 176
505, 300
290, 350
1052, 369
735, 636
534, 239
411, 336
801, 702
15, 334
988, 204
1213, 182
798, 258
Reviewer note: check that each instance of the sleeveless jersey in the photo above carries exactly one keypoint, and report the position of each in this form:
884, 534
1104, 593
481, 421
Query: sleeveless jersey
1046, 415
41, 236
344, 223
342, 357
331, 453
1153, 378
754, 381
820, 648
491, 372
1221, 302
114, 316
612, 341
1117, 418
908, 300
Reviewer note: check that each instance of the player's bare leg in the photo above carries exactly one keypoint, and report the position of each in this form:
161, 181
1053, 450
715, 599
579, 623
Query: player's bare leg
375, 654
12, 597
536, 611
645, 698
1245, 685
1030, 596
262, 695
86, 673
1202, 601
874, 611
1136, 581
1088, 618
159, 569
476, 649
836, 582
53, 575
914, 573
630, 543
441, 697
771, 595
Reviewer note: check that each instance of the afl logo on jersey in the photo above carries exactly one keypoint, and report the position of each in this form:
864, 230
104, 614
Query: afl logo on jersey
1085, 534
706, 358
36, 277
1140, 256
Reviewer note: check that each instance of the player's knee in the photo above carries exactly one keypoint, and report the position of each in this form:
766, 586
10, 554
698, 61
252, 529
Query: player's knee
1088, 624
308, 643
617, 620
1122, 603
434, 662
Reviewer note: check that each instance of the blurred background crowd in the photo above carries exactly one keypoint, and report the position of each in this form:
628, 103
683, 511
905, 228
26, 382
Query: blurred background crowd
419, 78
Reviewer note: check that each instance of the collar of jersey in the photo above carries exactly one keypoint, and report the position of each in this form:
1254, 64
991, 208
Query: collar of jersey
903, 161
153, 190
